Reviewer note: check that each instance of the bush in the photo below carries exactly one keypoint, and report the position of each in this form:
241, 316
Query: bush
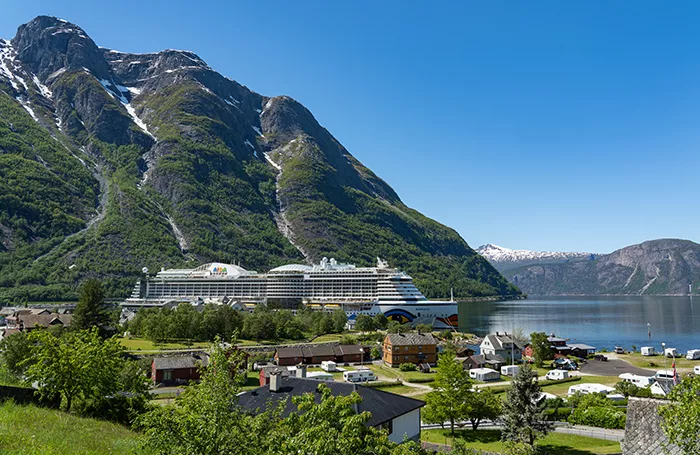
599, 416
422, 380
407, 367
382, 384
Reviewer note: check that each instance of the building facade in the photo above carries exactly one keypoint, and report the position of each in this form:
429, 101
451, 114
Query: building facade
413, 348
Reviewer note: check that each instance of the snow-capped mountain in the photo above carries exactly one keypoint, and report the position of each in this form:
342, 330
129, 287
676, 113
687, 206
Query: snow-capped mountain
506, 258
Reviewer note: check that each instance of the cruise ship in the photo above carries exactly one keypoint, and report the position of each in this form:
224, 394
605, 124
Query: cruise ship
326, 286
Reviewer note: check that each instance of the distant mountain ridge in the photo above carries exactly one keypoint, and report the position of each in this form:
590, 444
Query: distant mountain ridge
112, 161
655, 267
506, 258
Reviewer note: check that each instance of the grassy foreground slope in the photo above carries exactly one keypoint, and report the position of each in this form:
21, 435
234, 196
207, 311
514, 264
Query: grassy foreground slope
29, 430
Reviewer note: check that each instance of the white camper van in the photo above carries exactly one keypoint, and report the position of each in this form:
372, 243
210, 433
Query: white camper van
639, 381
647, 350
554, 375
664, 374
359, 376
693, 354
696, 370
509, 370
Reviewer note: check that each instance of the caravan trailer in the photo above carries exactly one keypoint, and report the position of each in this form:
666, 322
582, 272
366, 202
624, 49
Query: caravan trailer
671, 352
484, 374
590, 388
329, 365
647, 350
509, 370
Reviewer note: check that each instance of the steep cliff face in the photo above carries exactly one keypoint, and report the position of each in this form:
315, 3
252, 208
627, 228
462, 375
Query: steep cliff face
157, 160
666, 266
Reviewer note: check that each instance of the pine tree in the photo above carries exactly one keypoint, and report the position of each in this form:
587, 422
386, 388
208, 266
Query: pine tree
523, 412
90, 310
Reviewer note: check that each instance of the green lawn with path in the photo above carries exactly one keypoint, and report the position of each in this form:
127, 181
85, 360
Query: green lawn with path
553, 443
29, 430
562, 389
657, 362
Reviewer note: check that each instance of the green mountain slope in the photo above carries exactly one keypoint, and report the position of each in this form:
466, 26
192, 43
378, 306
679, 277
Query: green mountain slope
118, 161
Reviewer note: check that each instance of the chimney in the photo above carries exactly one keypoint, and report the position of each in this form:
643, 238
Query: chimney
275, 381
301, 371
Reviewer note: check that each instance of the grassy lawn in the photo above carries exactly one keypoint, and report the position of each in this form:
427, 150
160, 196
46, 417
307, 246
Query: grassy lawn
563, 388
140, 344
656, 362
28, 430
554, 443
405, 376
399, 389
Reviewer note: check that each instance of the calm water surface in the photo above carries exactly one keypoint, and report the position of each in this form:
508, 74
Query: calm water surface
603, 322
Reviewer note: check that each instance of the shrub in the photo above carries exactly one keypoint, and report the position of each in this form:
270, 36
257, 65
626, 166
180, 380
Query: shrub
407, 367
597, 416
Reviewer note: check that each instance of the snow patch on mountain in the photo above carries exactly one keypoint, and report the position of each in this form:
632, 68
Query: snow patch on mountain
499, 254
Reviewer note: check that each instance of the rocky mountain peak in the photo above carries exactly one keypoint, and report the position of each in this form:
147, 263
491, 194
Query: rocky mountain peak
48, 44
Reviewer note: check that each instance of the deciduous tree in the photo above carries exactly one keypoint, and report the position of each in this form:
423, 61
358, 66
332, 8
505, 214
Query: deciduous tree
448, 400
681, 418
364, 323
541, 348
482, 405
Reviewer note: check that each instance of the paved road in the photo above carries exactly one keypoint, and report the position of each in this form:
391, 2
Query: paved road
613, 367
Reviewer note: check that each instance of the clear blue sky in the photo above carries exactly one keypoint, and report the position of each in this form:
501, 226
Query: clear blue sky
539, 125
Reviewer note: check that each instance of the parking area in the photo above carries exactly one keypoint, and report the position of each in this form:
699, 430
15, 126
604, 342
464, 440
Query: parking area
612, 367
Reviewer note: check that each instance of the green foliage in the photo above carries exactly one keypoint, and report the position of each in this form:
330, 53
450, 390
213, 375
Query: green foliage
397, 327
448, 400
90, 310
375, 352
540, 348
365, 323
80, 366
482, 405
407, 367
523, 414
380, 321
14, 351
681, 418
424, 328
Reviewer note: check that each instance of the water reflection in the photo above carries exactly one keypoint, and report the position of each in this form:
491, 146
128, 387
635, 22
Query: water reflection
603, 322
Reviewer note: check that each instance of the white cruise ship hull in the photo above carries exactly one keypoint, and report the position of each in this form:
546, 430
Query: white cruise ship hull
443, 315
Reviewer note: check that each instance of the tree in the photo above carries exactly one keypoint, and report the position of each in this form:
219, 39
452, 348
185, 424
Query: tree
339, 320
14, 350
424, 328
541, 348
627, 388
77, 365
381, 321
482, 405
364, 323
523, 412
681, 418
397, 327
90, 310
447, 401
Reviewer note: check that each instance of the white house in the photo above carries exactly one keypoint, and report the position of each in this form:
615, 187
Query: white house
397, 414
501, 344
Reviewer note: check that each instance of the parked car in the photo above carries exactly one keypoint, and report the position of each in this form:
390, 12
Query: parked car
619, 350
601, 357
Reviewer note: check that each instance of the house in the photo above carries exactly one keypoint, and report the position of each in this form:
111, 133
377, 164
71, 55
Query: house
558, 346
484, 361
314, 355
266, 372
465, 352
662, 386
581, 350
413, 348
501, 344
28, 319
179, 369
399, 415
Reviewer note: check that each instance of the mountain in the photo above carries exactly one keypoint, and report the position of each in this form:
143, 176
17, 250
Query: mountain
655, 267
505, 258
111, 161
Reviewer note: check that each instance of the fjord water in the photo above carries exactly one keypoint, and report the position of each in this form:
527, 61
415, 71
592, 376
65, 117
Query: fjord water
603, 322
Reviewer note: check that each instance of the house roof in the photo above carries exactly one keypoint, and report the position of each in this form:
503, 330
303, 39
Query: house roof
180, 362
411, 339
289, 353
382, 405
484, 371
322, 350
350, 349
486, 358
583, 347
499, 340
31, 320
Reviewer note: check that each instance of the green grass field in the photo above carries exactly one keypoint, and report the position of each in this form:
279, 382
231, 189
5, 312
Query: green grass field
554, 443
657, 362
28, 430
140, 344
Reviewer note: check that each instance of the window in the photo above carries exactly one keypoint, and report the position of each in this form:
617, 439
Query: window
168, 375
420, 347
388, 426
405, 358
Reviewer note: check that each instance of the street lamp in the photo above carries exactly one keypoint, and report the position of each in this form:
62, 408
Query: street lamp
663, 351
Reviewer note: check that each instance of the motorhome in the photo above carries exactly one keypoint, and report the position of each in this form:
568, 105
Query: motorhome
696, 369
639, 381
647, 350
555, 375
484, 374
664, 374
319, 376
671, 352
359, 376
693, 354
329, 365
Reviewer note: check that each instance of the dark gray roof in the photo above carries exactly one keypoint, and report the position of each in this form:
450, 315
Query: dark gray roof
180, 361
498, 340
411, 339
350, 349
289, 353
275, 369
383, 406
319, 351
